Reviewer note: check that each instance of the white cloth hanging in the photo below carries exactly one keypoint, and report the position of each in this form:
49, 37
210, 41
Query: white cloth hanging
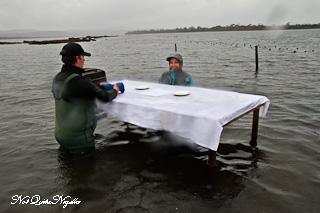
200, 115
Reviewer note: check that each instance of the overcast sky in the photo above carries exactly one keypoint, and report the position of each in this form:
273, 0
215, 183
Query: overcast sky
152, 14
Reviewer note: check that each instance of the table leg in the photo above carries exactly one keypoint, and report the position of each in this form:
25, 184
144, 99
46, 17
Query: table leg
212, 158
255, 123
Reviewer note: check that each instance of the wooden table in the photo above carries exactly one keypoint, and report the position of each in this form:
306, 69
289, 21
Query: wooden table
200, 116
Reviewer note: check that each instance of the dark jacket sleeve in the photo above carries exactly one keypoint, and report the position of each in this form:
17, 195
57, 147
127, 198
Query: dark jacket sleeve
83, 87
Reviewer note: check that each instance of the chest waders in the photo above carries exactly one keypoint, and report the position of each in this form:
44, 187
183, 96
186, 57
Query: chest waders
74, 123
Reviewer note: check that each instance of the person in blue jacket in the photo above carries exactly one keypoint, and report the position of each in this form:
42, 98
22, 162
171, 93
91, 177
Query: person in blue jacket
175, 75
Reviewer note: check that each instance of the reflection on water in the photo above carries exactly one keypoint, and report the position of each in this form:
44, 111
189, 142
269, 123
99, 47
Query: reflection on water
137, 169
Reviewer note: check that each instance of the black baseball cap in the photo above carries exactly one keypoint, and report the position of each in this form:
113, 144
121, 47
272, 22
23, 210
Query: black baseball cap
73, 49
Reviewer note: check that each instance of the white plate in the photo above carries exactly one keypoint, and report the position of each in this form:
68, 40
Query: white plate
181, 93
141, 87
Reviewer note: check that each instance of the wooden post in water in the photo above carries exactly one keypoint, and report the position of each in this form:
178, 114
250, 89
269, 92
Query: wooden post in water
257, 60
212, 158
175, 47
255, 122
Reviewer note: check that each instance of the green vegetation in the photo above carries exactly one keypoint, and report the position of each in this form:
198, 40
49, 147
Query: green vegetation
232, 27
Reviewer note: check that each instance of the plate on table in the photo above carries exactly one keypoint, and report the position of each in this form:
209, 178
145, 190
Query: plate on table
142, 87
181, 93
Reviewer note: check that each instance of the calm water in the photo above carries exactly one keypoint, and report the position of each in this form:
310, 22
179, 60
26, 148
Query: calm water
142, 170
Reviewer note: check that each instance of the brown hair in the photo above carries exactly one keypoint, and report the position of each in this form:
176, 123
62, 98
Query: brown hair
68, 59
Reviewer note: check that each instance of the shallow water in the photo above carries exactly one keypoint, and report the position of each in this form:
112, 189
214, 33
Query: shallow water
142, 170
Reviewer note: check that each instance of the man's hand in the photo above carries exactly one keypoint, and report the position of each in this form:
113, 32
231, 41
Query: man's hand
116, 87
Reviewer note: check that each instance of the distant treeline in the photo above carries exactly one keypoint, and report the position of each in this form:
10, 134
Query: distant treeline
232, 27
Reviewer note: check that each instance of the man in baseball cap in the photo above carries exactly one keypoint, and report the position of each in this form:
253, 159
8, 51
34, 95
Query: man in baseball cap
74, 96
73, 49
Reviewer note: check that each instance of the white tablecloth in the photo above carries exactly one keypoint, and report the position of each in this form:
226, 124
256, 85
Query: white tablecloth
199, 116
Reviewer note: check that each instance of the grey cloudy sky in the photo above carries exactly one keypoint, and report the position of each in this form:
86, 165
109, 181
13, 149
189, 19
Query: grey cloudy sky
152, 14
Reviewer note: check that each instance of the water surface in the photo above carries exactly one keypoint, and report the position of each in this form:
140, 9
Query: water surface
142, 170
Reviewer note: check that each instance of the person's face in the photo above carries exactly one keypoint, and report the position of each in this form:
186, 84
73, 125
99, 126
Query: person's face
174, 63
80, 61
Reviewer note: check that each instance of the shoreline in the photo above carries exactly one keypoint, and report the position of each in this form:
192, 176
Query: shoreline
230, 28
57, 41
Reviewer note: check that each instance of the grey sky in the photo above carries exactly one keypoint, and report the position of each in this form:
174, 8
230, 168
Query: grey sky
152, 14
